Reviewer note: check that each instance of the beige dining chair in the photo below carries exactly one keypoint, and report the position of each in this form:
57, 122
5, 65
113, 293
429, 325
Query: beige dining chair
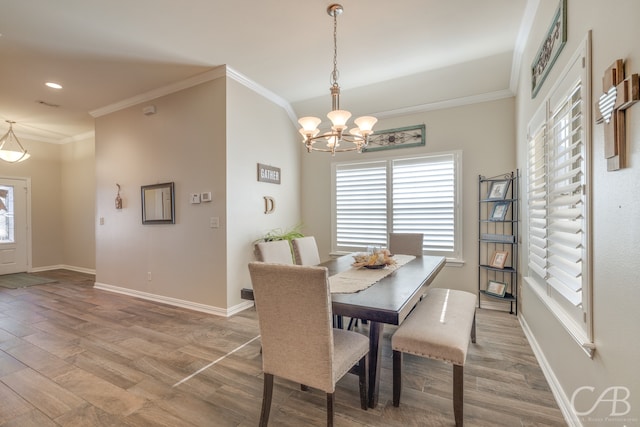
275, 251
406, 243
305, 251
317, 355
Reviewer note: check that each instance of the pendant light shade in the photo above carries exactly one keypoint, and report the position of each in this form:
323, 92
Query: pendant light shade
11, 150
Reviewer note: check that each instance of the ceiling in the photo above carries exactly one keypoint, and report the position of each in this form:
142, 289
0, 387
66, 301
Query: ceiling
391, 55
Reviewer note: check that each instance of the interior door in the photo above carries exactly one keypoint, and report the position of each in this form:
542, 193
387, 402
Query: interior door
14, 226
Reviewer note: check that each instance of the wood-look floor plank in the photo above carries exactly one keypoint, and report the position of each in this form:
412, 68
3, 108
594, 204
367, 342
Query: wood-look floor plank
110, 359
44, 394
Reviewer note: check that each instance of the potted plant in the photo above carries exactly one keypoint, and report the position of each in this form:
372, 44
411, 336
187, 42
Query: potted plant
282, 234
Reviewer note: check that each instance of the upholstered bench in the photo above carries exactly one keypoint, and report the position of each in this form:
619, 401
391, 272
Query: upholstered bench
438, 328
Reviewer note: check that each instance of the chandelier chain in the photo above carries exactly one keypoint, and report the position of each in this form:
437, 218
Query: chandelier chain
335, 73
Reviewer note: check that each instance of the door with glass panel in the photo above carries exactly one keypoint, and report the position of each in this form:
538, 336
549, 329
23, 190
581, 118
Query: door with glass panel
13, 226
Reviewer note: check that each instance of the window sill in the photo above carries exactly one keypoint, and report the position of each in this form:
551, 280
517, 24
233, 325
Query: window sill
575, 331
455, 262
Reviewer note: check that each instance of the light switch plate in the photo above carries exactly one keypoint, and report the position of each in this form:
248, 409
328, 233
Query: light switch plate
195, 198
206, 196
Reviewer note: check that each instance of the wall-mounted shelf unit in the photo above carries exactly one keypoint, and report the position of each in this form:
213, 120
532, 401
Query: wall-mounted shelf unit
498, 239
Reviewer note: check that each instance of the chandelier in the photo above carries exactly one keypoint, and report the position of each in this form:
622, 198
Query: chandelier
10, 148
337, 140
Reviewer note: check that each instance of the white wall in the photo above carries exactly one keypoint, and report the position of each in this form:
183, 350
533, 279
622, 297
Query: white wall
485, 134
616, 226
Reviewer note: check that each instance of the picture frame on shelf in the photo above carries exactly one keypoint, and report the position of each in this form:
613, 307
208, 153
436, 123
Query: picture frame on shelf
498, 259
499, 211
498, 190
497, 289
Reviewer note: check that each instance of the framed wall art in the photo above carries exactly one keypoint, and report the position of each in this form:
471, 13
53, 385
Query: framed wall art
410, 136
550, 48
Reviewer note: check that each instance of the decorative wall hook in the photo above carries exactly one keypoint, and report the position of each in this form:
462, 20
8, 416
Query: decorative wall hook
118, 198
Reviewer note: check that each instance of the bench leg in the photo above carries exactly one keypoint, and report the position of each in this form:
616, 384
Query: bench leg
458, 393
397, 377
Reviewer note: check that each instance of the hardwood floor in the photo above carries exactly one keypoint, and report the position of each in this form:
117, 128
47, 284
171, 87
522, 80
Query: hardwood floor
72, 355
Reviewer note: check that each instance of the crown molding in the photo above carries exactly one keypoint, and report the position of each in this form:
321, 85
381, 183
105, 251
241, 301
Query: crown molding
521, 42
162, 91
261, 90
449, 103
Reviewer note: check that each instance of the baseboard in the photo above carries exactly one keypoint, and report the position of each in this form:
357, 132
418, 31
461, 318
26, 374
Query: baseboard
564, 403
63, 267
224, 312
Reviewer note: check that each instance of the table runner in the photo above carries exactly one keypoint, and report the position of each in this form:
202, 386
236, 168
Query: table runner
358, 279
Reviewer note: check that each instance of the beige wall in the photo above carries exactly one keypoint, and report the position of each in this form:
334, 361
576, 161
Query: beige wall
483, 132
44, 170
616, 229
205, 138
78, 193
184, 143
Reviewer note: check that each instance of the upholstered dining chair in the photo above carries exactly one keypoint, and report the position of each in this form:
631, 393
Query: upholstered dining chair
406, 243
275, 251
316, 355
305, 251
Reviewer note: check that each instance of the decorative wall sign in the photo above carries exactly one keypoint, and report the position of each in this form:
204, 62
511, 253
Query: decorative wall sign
268, 173
550, 48
618, 94
411, 136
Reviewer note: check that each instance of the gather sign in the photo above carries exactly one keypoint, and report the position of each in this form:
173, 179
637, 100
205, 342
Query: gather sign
268, 173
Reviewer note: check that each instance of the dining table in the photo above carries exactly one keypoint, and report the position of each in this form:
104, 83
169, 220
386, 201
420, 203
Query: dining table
387, 301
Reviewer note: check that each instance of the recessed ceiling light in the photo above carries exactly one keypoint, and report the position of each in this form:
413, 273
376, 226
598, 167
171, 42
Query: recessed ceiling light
54, 85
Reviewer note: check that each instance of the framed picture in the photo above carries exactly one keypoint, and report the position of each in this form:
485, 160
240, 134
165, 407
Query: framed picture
497, 289
498, 190
550, 48
410, 136
498, 259
499, 211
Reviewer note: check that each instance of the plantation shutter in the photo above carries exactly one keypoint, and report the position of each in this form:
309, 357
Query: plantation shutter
566, 200
423, 200
360, 205
537, 199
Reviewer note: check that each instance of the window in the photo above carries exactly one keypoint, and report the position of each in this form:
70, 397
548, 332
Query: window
6, 215
557, 202
402, 195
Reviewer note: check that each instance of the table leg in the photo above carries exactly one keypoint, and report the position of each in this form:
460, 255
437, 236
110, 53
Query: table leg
375, 353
